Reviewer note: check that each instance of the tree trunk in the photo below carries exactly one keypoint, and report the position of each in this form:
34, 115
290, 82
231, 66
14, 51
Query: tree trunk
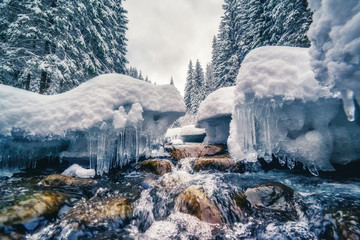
43, 82
27, 84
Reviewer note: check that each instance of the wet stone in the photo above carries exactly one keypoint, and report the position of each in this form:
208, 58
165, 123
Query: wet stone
59, 180
221, 163
96, 210
156, 166
272, 197
32, 207
195, 202
197, 151
343, 224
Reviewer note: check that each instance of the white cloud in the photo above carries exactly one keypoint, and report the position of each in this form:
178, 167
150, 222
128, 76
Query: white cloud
164, 35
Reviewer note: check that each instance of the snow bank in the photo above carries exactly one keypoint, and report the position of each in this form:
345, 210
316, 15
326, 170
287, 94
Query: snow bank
112, 119
188, 133
76, 170
214, 115
100, 99
281, 109
335, 48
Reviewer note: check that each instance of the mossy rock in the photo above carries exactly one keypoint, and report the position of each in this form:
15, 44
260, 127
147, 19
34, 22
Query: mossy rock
156, 166
98, 210
221, 163
34, 206
197, 151
58, 180
195, 202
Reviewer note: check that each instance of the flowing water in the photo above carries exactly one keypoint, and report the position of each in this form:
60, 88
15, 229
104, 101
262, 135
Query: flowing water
324, 208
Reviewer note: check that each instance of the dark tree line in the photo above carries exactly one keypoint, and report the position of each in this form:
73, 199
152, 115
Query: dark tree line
51, 46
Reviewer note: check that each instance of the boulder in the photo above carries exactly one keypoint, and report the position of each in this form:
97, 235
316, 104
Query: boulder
272, 197
342, 224
97, 210
58, 180
196, 151
195, 202
221, 163
31, 207
156, 166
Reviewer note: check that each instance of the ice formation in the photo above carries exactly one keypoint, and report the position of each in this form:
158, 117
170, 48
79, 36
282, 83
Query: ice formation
335, 48
281, 110
214, 115
110, 120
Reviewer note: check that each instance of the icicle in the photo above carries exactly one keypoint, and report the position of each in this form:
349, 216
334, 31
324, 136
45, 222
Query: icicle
313, 170
291, 162
102, 165
282, 159
349, 104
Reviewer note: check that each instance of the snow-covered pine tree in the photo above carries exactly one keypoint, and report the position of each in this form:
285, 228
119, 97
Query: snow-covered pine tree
247, 24
51, 46
209, 78
140, 76
189, 88
198, 92
172, 81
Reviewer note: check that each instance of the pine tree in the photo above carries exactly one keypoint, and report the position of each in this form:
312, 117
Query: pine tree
172, 81
140, 77
51, 46
209, 78
198, 92
189, 88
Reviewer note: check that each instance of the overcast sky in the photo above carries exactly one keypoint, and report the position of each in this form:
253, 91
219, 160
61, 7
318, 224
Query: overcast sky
164, 35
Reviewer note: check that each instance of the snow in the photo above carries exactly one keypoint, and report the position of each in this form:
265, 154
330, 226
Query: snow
111, 120
191, 130
76, 170
217, 104
177, 142
281, 109
183, 134
278, 71
86, 106
215, 115
335, 48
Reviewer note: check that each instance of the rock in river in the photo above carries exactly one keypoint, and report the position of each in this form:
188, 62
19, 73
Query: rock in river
195, 202
269, 197
33, 206
58, 180
157, 166
221, 163
96, 210
197, 151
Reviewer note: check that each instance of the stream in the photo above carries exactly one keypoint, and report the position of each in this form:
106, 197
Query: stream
187, 204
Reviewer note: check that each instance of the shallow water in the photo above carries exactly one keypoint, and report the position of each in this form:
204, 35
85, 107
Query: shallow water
323, 206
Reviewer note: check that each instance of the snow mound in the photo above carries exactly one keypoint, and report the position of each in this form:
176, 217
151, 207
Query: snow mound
217, 104
214, 115
76, 170
191, 130
110, 120
283, 72
335, 48
188, 133
281, 110
103, 98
